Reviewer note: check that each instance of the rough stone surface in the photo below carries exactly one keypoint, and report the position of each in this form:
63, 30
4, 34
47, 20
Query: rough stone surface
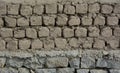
38, 9
2, 43
82, 71
112, 21
116, 31
106, 32
75, 62
69, 9
81, 8
59, 36
57, 62
43, 32
51, 8
94, 8
12, 44
24, 44
31, 33
45, 70
23, 22
60, 42
13, 9
36, 44
10, 22
65, 70
61, 20
99, 20
68, 32
26, 10
107, 9
19, 33
99, 44
49, 20
86, 20
36, 20
98, 71
6, 32
1, 22
93, 31
74, 20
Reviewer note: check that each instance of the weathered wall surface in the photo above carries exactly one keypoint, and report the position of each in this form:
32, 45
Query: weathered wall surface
59, 36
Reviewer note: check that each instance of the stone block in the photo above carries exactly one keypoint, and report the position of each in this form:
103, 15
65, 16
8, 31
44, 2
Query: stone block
60, 43
99, 44
22, 22
98, 71
49, 20
108, 63
57, 62
14, 62
19, 33
68, 32
12, 44
61, 20
82, 71
26, 10
73, 42
99, 20
88, 43
49, 44
38, 9
23, 70
112, 20
66, 70
94, 8
74, 21
35, 20
55, 32
13, 9
31, 33
87, 62
6, 32
114, 43
24, 44
36, 44
107, 9
106, 32
34, 63
45, 71
81, 8
69, 9
86, 20
93, 31
10, 22
51, 8
117, 31
80, 32
43, 32
74, 63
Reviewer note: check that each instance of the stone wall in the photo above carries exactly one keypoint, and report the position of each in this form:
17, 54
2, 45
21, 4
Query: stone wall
59, 36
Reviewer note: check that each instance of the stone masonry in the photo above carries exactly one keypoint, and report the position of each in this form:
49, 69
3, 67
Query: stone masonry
59, 36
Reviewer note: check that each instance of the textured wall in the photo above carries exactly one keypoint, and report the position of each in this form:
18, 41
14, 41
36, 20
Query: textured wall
59, 36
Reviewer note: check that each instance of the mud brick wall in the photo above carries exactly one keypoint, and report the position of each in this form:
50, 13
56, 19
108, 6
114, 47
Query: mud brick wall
59, 36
